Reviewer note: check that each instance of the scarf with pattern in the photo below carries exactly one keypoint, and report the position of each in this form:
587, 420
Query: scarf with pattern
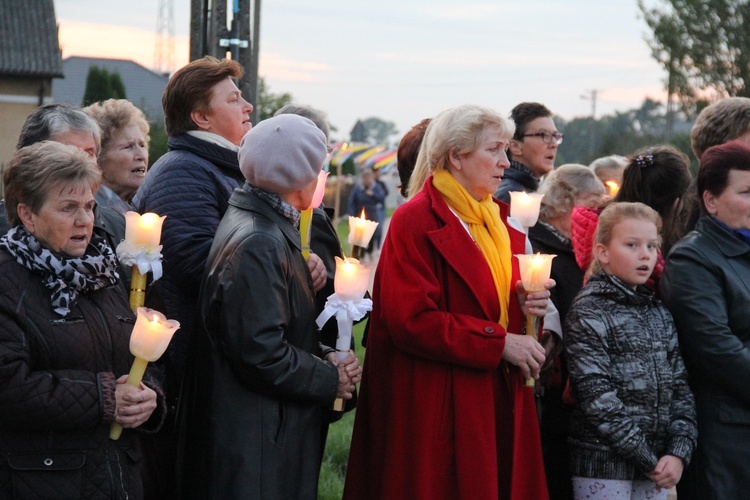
64, 277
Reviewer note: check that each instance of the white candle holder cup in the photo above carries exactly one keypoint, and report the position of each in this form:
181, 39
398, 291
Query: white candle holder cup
361, 230
525, 207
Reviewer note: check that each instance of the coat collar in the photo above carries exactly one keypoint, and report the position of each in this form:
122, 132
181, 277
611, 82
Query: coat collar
727, 243
460, 252
251, 202
222, 157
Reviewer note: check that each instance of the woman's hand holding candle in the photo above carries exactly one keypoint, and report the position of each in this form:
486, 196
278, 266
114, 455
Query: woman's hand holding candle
350, 373
535, 270
133, 405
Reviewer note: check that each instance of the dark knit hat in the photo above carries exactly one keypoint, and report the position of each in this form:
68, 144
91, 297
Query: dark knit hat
282, 154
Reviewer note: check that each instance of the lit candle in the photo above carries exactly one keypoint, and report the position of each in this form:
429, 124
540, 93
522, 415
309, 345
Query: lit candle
143, 230
351, 279
525, 207
613, 188
535, 270
142, 233
361, 230
305, 221
148, 341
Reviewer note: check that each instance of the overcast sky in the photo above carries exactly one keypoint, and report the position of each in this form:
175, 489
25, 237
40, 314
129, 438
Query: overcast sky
404, 60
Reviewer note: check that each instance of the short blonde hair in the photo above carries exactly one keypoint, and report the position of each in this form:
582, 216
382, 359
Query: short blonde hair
456, 130
114, 114
563, 186
616, 213
36, 169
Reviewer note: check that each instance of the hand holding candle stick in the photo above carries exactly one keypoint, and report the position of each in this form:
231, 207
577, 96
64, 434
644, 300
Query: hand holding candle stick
149, 340
535, 270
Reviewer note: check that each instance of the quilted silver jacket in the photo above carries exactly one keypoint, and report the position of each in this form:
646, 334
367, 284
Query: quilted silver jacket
628, 377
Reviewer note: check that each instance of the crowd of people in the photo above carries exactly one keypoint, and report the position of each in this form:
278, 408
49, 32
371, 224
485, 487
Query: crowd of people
630, 382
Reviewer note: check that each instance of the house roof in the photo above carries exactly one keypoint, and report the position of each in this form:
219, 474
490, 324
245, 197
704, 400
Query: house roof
143, 87
28, 39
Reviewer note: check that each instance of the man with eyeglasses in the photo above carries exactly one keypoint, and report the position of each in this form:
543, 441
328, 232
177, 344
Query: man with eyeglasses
532, 149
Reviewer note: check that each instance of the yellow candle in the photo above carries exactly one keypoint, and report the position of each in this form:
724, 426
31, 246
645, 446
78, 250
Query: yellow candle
305, 227
525, 207
143, 230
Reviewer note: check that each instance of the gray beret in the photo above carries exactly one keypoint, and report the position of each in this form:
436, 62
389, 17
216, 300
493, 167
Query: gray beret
282, 154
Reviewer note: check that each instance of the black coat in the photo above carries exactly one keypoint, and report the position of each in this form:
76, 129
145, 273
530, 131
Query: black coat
57, 392
706, 286
252, 404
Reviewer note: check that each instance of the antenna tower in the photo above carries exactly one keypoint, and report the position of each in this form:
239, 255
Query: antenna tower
164, 49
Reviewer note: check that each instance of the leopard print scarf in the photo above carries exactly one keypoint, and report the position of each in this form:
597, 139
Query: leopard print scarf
64, 277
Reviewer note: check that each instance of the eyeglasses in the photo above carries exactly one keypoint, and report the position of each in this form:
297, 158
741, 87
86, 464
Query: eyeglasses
547, 137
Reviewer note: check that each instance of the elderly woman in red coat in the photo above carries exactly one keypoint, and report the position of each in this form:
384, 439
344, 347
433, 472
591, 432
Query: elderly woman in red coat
443, 410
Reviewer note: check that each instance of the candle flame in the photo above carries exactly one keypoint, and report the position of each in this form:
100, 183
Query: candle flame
362, 216
613, 187
155, 320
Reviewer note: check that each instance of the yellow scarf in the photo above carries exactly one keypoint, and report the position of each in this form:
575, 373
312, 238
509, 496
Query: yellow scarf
488, 230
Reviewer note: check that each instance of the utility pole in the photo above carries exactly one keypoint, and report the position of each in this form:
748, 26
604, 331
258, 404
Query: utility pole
670, 102
164, 49
210, 35
592, 95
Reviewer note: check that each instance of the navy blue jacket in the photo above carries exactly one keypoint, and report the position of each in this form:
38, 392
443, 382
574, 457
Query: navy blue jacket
517, 177
191, 185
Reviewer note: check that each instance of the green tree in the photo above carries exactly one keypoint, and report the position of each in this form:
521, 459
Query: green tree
704, 45
157, 144
102, 85
118, 88
622, 133
268, 102
376, 131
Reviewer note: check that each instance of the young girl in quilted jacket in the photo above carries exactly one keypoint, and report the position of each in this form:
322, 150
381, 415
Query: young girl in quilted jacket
633, 428
658, 176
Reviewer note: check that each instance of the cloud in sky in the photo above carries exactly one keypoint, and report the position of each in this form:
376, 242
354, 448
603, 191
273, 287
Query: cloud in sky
406, 60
